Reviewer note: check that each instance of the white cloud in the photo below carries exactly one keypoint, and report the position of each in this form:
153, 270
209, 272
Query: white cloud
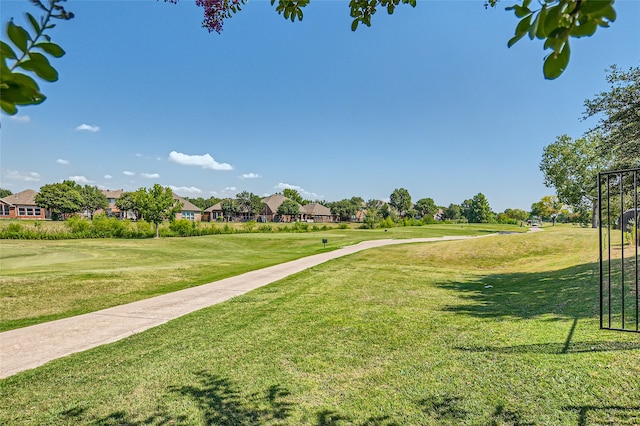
21, 118
108, 177
80, 179
303, 192
229, 189
250, 176
205, 161
190, 190
61, 161
88, 128
26, 177
150, 175
128, 173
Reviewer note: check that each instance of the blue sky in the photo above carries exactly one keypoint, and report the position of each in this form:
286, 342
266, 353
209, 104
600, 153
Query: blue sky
429, 99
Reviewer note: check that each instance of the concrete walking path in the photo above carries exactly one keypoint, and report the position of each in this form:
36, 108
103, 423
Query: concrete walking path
33, 346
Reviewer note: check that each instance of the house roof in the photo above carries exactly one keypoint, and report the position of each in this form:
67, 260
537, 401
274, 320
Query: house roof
113, 193
315, 209
187, 206
272, 202
25, 198
214, 208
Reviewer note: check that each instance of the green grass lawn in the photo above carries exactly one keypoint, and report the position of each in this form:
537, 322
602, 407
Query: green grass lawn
45, 280
495, 331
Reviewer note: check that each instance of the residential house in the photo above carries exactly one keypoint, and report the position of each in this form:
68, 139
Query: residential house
315, 212
270, 211
189, 210
213, 213
112, 197
22, 206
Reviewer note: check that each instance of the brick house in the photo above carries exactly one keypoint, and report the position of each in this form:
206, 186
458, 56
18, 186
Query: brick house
314, 212
22, 206
189, 210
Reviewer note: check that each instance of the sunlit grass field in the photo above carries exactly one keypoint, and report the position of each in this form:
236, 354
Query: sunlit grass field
45, 280
500, 330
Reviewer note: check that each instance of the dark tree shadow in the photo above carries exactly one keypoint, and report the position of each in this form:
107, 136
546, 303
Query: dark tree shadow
333, 418
222, 404
444, 408
615, 414
503, 416
572, 292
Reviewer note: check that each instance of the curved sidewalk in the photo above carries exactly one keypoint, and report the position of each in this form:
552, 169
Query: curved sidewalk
30, 347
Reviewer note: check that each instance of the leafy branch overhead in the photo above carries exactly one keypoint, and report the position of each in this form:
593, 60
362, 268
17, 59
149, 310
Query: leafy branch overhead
29, 54
558, 20
554, 22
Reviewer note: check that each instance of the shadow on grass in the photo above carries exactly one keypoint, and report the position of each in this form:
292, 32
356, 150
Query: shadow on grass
449, 410
612, 414
571, 292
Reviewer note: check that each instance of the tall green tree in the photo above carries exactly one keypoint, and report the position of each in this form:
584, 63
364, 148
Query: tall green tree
289, 208
516, 214
619, 123
229, 208
63, 199
294, 195
93, 199
345, 208
127, 203
479, 209
156, 205
571, 166
547, 207
250, 203
453, 212
400, 200
426, 207
5, 192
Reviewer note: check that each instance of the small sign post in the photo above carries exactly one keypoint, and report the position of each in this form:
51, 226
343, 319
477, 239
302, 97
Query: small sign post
325, 241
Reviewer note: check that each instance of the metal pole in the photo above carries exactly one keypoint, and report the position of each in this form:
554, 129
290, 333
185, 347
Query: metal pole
600, 243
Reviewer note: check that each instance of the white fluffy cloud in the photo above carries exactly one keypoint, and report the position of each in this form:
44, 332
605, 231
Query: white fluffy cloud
303, 192
21, 118
128, 173
108, 177
250, 176
80, 179
87, 128
205, 161
189, 190
25, 177
61, 161
150, 175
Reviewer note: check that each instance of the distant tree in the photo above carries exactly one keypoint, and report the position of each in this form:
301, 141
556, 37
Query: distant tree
373, 212
453, 212
479, 210
126, 203
289, 208
400, 200
294, 195
5, 192
426, 207
619, 119
345, 208
465, 208
229, 208
547, 207
516, 214
93, 199
62, 198
571, 166
157, 205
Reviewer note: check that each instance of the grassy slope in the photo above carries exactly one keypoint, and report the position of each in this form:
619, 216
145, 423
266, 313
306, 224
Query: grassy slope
393, 336
46, 280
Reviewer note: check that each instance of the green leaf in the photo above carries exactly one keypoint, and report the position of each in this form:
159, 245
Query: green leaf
523, 26
514, 40
18, 35
556, 63
592, 6
521, 11
8, 107
354, 25
541, 18
610, 13
585, 29
39, 64
552, 20
7, 51
52, 49
34, 23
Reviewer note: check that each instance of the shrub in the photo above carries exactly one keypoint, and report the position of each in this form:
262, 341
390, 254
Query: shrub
301, 227
78, 226
249, 226
343, 226
387, 223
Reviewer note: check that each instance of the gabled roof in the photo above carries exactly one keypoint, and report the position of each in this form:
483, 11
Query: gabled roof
113, 193
214, 208
315, 209
272, 202
24, 198
187, 206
